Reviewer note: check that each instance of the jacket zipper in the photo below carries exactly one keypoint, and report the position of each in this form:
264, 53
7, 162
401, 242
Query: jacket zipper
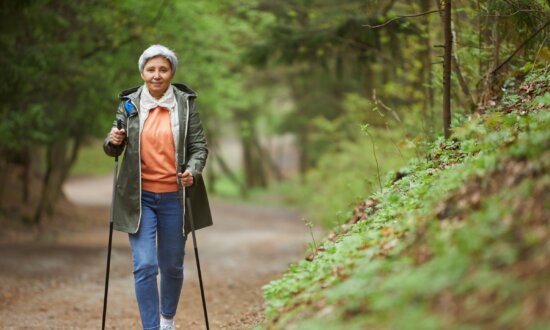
139, 163
184, 150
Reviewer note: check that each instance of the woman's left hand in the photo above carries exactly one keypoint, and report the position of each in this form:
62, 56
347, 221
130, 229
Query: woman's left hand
186, 178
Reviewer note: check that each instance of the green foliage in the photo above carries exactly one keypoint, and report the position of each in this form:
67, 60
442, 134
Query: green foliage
314, 70
330, 51
60, 77
447, 243
92, 161
348, 170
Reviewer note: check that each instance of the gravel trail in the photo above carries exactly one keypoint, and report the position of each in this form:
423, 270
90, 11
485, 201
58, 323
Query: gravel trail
56, 281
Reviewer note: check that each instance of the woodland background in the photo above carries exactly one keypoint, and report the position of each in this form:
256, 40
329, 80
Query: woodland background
355, 85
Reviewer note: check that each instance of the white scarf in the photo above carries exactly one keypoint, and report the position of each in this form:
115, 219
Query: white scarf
148, 102
168, 101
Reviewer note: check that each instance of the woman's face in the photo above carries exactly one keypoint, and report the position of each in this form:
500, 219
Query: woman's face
157, 74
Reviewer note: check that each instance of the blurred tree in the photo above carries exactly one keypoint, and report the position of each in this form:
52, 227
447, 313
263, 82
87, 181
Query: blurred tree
64, 62
59, 59
334, 48
504, 26
332, 53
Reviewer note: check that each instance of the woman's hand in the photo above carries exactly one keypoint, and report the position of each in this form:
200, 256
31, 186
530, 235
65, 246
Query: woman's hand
116, 136
186, 178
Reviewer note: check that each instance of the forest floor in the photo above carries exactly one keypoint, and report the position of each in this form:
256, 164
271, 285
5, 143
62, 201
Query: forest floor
53, 277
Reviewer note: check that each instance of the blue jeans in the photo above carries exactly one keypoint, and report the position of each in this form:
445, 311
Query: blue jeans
158, 244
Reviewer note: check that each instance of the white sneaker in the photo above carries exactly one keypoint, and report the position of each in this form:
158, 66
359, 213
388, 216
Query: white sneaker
167, 324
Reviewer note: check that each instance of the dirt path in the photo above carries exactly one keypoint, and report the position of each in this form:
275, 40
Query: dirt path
57, 283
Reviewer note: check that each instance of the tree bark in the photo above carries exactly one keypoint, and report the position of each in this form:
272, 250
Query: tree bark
427, 75
58, 164
447, 69
455, 65
4, 169
73, 155
232, 177
253, 166
25, 176
268, 161
254, 171
496, 42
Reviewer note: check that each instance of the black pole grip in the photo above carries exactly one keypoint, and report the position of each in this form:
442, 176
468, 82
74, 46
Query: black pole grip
182, 170
118, 126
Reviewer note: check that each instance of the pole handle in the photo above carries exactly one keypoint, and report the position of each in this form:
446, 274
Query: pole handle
118, 126
182, 168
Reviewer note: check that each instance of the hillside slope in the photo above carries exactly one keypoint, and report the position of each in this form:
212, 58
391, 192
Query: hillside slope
457, 240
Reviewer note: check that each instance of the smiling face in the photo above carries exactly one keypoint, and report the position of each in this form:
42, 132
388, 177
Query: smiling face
157, 74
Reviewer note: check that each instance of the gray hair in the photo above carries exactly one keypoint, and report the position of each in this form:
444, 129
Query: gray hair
158, 50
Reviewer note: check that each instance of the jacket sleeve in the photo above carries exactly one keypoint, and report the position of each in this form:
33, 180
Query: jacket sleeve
197, 148
108, 148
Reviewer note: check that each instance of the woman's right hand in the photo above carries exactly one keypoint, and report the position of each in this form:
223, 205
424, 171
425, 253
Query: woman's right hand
116, 136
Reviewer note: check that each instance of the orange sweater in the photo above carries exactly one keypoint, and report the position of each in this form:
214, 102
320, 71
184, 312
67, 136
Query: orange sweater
158, 163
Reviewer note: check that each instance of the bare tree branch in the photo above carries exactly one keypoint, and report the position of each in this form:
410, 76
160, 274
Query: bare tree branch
517, 12
377, 101
400, 17
520, 47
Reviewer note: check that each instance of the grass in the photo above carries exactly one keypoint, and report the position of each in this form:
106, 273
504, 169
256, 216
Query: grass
460, 239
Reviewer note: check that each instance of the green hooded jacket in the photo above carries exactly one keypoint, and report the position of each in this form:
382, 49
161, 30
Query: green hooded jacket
192, 151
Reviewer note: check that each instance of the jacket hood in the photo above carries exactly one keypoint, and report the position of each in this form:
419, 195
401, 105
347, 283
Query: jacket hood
133, 93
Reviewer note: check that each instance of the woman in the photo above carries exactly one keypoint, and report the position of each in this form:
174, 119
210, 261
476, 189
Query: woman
161, 131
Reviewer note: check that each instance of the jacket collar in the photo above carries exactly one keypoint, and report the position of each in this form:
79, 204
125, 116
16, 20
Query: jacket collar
134, 93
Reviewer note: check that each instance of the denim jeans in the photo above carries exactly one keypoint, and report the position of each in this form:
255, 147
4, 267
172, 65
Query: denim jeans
158, 244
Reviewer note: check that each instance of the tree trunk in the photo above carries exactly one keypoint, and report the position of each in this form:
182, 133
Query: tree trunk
45, 186
496, 42
232, 177
211, 175
455, 65
427, 76
4, 170
447, 69
254, 175
267, 161
25, 176
58, 164
65, 170
480, 38
254, 172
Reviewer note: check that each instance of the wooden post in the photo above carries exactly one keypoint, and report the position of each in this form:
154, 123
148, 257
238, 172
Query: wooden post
447, 68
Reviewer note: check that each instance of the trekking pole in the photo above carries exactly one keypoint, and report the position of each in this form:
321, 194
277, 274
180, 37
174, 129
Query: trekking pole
192, 224
119, 126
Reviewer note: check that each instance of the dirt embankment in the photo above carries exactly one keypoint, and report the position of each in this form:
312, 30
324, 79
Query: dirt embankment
54, 278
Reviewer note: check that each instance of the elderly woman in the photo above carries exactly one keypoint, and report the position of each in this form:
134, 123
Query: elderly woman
161, 131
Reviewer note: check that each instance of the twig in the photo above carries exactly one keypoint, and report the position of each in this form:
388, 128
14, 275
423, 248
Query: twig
400, 17
516, 12
378, 101
365, 128
540, 48
520, 47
